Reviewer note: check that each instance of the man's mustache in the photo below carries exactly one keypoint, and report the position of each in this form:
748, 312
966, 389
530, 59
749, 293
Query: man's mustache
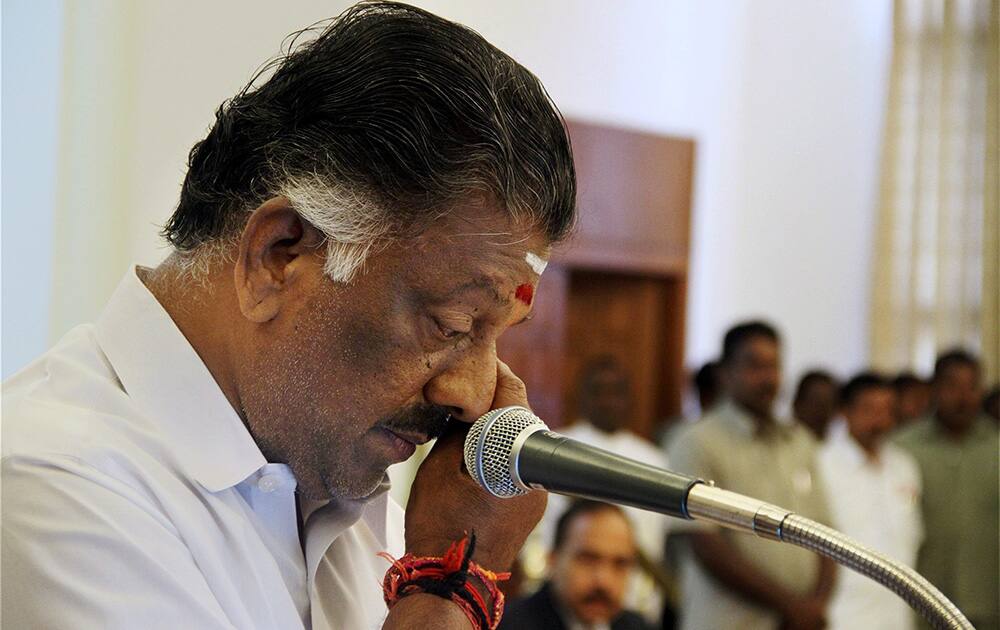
599, 596
421, 418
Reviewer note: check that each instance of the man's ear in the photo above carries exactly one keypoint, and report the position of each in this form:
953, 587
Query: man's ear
274, 248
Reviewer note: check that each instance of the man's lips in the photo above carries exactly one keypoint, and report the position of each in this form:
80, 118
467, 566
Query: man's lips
413, 438
403, 449
405, 442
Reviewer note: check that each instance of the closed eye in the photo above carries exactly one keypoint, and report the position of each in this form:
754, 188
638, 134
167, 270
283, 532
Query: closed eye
453, 328
448, 333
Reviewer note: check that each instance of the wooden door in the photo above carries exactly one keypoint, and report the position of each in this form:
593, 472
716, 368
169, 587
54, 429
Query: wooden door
638, 320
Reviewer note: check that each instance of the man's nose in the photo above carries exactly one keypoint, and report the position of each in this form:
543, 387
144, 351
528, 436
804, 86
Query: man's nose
466, 387
604, 576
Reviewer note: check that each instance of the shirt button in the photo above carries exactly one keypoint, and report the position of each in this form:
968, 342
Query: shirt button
268, 483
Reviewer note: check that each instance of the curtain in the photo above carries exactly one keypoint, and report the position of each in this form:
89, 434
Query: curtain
936, 261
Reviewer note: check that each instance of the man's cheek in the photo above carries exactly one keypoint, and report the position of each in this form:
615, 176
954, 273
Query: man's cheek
371, 349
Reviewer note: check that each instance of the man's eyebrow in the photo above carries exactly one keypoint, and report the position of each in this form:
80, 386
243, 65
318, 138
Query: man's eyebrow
482, 284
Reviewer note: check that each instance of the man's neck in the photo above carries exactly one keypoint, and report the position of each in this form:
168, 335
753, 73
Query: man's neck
762, 422
953, 432
873, 455
195, 305
603, 430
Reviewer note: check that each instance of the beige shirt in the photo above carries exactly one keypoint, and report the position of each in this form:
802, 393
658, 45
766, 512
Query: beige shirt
778, 466
135, 497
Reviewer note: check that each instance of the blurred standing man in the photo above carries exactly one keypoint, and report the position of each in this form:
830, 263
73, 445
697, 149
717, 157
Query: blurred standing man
957, 449
815, 402
913, 398
352, 236
874, 493
991, 404
593, 553
708, 383
731, 580
605, 405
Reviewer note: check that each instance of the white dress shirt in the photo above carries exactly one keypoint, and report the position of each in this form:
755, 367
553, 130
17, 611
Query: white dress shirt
134, 497
877, 502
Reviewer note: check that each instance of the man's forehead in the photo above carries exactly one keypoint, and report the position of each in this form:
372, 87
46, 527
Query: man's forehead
479, 223
477, 284
475, 264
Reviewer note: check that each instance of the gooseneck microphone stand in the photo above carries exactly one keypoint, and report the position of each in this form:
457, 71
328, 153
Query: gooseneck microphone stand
510, 451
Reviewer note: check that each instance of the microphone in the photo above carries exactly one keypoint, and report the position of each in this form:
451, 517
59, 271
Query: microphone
509, 452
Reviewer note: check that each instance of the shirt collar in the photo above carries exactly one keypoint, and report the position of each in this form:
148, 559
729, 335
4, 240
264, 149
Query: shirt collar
849, 452
980, 429
739, 421
164, 376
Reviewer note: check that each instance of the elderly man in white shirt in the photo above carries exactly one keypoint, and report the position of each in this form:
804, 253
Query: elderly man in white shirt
352, 236
874, 492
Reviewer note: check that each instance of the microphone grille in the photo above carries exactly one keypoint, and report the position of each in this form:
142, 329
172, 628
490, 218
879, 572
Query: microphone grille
489, 445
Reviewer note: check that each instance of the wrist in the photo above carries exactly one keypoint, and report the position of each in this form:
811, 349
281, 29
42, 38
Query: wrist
454, 577
409, 611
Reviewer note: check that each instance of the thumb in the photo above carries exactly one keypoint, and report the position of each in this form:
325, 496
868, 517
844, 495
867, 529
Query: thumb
510, 389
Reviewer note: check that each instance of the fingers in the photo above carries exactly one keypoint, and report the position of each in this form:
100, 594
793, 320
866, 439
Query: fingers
450, 445
510, 389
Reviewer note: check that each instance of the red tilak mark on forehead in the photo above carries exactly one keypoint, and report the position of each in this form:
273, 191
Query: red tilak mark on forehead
525, 293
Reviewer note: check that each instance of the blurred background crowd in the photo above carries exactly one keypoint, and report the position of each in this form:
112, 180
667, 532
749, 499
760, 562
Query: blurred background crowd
904, 463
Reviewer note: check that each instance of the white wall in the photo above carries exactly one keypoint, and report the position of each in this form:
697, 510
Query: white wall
32, 44
790, 238
783, 98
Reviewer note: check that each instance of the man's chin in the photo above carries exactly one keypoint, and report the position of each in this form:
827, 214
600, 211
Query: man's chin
596, 613
357, 489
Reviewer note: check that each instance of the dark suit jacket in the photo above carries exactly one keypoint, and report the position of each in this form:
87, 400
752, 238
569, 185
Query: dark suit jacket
538, 612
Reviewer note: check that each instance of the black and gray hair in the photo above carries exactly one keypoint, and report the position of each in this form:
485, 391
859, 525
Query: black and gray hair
576, 509
809, 380
861, 383
743, 332
955, 357
388, 118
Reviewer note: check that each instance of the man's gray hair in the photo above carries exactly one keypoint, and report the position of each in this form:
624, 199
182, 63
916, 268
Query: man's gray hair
389, 117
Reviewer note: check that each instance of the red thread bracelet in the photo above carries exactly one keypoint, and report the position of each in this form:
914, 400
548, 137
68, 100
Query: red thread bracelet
448, 577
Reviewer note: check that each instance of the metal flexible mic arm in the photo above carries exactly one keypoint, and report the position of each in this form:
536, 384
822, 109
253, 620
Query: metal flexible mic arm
705, 502
510, 451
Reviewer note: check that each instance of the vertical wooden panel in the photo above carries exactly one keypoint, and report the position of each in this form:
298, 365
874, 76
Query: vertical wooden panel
634, 200
620, 316
673, 378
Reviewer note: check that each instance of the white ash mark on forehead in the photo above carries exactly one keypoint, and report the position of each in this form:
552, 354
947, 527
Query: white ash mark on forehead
537, 263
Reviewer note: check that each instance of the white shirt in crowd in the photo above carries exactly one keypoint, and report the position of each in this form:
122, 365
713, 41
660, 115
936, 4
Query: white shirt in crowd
134, 497
877, 503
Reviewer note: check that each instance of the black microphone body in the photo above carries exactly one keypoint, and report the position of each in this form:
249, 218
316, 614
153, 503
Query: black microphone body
556, 463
